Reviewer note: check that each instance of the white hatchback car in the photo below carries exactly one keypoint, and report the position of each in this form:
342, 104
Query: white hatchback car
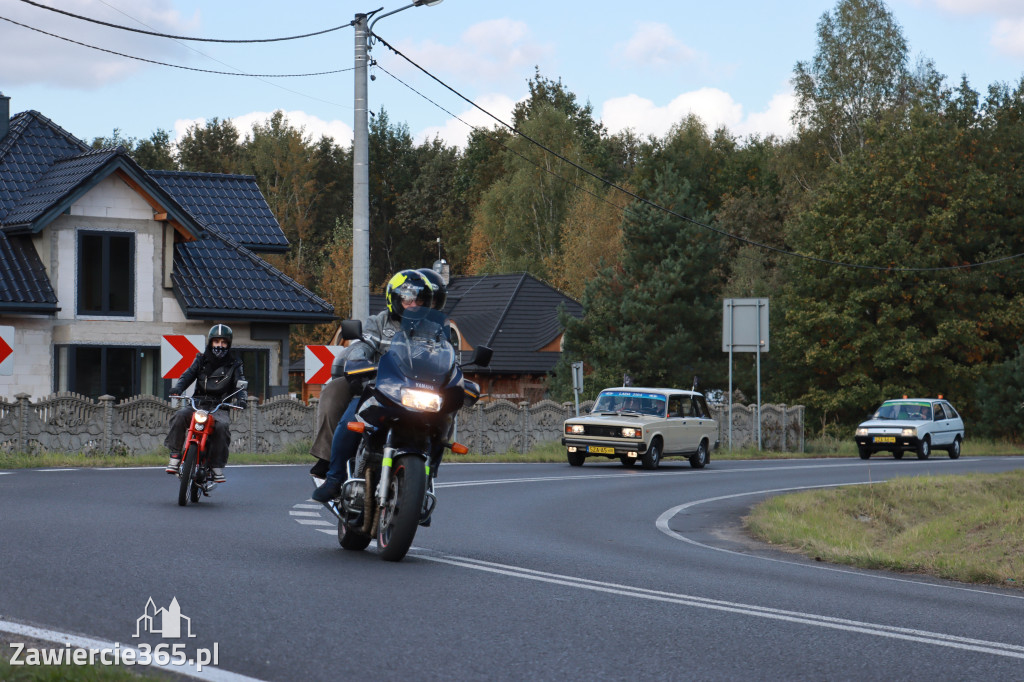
911, 425
643, 424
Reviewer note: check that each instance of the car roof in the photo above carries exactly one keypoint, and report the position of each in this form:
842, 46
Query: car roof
915, 400
643, 389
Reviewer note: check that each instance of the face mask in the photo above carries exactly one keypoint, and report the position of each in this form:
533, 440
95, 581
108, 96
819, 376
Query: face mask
219, 351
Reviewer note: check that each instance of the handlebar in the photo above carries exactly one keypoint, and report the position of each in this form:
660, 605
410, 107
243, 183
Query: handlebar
191, 400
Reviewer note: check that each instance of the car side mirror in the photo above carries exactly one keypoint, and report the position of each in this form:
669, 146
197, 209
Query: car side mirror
351, 329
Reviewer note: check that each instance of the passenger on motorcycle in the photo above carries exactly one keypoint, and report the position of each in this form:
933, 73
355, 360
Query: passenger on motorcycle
407, 289
216, 373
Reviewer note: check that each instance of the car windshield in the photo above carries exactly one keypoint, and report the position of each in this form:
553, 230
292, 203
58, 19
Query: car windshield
904, 411
635, 402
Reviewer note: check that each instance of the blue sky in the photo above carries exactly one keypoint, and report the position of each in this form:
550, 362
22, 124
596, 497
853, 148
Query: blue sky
643, 64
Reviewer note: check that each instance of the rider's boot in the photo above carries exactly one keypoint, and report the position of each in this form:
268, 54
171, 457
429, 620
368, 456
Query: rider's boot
174, 464
330, 489
218, 475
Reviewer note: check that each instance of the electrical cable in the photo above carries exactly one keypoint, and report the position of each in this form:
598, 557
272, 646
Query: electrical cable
735, 237
175, 66
166, 35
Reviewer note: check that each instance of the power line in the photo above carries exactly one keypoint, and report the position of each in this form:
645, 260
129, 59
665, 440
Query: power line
729, 235
166, 35
175, 66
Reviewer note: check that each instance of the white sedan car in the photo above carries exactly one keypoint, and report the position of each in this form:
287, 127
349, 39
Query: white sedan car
911, 425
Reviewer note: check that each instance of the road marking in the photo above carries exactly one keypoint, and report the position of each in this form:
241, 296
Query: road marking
78, 641
304, 513
662, 525
314, 522
802, 618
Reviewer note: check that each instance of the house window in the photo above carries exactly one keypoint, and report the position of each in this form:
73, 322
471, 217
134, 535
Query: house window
255, 364
120, 371
106, 273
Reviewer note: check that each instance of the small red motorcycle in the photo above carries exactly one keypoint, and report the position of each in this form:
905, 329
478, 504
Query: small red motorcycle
195, 472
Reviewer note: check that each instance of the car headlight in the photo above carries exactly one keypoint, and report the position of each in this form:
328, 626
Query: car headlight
909, 432
574, 428
862, 432
630, 432
421, 400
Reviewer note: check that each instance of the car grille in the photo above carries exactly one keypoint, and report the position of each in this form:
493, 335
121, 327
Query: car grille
604, 431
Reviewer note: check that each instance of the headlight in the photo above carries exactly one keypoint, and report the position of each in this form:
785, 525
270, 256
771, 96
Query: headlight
201, 416
629, 432
909, 432
574, 428
421, 400
862, 432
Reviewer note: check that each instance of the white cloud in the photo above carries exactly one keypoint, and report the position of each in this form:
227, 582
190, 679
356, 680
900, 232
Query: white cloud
1008, 36
456, 133
31, 57
997, 7
487, 53
312, 126
654, 45
715, 108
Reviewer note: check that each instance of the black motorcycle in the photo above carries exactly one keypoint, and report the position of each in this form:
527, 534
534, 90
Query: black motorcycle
406, 417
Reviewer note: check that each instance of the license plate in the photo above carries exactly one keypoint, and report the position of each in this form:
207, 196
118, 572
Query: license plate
885, 439
601, 450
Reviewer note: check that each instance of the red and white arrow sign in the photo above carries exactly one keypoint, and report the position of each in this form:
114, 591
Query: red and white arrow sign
318, 363
177, 351
6, 351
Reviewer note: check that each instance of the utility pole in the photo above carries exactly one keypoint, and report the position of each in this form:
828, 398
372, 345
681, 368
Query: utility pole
361, 180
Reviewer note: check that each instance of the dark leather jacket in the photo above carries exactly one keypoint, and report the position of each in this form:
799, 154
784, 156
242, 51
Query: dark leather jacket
213, 383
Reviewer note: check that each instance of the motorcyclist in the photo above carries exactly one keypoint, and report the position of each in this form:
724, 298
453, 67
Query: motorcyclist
407, 289
216, 372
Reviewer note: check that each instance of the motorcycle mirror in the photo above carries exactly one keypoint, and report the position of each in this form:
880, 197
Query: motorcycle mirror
241, 385
351, 329
481, 357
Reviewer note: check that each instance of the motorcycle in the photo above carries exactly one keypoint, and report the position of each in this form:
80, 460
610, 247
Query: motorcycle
195, 472
405, 416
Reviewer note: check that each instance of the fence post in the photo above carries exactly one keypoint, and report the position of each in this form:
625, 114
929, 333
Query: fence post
525, 413
251, 409
784, 425
23, 407
315, 403
107, 402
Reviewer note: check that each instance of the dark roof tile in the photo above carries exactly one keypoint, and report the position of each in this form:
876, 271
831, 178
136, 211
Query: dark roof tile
24, 286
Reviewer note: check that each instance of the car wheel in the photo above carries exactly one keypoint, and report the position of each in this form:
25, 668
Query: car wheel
651, 458
897, 454
575, 458
954, 449
627, 461
924, 448
700, 458
865, 453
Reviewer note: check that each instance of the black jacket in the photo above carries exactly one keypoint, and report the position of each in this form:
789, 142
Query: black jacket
213, 383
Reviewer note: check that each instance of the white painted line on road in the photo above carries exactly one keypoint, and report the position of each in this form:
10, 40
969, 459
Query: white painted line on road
304, 513
50, 471
314, 522
78, 641
877, 630
308, 506
662, 525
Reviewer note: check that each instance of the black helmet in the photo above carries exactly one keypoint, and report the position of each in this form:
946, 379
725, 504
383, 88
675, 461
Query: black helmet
439, 287
219, 331
407, 285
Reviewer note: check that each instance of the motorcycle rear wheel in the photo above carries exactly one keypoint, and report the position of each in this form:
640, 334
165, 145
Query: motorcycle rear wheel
188, 474
400, 518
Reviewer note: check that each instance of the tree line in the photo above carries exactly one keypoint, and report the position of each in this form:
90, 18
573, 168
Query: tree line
885, 231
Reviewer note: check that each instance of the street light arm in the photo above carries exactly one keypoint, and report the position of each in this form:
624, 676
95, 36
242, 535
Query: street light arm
369, 28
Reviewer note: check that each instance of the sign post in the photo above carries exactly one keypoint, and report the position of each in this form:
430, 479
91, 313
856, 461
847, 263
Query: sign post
577, 383
745, 330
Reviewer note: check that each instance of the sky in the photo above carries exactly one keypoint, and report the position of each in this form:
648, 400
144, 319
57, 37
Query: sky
642, 65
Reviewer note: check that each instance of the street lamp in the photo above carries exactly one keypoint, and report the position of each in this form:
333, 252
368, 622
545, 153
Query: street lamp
361, 164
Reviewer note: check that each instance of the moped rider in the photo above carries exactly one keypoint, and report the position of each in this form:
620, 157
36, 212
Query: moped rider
407, 289
216, 372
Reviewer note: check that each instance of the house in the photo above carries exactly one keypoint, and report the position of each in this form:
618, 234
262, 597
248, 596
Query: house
516, 315
99, 259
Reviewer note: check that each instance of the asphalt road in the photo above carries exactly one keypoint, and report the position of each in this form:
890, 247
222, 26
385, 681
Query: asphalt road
529, 571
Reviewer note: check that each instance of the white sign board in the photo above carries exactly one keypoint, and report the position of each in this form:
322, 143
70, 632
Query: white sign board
6, 351
177, 351
745, 325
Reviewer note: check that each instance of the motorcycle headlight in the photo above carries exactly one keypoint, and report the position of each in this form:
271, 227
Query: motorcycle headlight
421, 400
201, 416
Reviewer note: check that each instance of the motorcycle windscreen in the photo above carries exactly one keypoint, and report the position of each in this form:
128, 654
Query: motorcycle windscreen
421, 351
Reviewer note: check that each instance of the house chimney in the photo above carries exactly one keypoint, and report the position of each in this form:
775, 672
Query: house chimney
5, 115
442, 268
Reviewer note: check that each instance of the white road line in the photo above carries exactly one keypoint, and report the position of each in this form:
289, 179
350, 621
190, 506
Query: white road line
314, 522
877, 630
304, 513
662, 525
308, 506
78, 641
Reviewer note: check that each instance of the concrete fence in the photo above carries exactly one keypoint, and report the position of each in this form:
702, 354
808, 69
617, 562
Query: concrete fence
68, 422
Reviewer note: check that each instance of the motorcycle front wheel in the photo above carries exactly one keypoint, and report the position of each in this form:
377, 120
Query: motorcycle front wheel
188, 474
400, 517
